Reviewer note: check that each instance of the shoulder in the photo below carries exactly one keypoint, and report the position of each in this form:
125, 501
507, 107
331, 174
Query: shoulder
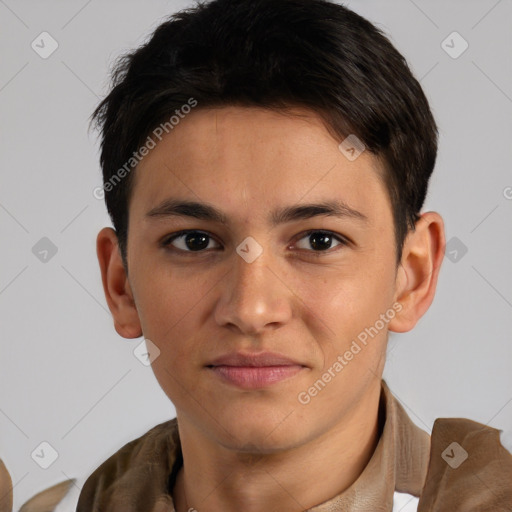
145, 460
469, 468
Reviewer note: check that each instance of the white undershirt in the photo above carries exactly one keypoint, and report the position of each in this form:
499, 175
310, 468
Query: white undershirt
403, 502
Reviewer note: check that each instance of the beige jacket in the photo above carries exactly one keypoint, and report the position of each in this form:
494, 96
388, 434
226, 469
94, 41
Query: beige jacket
462, 466
140, 475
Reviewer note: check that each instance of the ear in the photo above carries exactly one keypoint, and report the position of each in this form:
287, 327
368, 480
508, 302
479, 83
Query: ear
418, 271
116, 285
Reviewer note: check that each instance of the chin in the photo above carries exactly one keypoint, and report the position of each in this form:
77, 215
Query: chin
261, 434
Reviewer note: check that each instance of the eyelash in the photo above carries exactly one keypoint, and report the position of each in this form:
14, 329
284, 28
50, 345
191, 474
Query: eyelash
166, 243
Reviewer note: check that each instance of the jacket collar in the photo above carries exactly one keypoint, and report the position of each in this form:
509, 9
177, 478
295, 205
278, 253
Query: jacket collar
138, 477
399, 462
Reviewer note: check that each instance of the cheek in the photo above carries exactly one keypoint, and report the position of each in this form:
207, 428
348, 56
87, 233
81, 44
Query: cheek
348, 299
348, 307
166, 303
169, 319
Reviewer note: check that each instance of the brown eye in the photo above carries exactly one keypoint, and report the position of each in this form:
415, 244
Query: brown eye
320, 241
190, 241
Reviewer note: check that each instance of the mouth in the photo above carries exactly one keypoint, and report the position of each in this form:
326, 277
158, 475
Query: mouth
254, 371
254, 377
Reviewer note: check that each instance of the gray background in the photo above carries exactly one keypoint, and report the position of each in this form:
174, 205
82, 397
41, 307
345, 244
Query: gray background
67, 378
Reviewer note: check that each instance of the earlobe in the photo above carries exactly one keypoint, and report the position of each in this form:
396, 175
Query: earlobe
116, 286
418, 272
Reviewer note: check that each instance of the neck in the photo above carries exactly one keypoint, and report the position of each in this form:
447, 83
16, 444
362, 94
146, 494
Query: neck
214, 478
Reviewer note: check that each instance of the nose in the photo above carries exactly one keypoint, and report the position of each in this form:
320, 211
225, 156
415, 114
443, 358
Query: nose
254, 296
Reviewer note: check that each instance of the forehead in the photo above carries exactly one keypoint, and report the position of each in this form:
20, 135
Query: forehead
254, 157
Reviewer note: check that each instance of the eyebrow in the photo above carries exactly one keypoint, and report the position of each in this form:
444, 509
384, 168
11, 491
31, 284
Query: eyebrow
203, 211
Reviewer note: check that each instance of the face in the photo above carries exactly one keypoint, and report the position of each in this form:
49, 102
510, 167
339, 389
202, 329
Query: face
268, 272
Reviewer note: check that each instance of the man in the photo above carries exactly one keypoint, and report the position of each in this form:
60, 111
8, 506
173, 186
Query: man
265, 163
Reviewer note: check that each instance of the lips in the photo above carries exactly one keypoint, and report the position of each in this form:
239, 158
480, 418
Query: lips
254, 371
262, 359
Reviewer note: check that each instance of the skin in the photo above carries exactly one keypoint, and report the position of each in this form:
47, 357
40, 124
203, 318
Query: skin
259, 450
